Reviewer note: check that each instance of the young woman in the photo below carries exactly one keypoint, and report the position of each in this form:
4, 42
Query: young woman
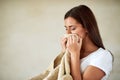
89, 58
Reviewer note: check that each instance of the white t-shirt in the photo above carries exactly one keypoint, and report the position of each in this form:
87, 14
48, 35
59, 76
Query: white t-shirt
101, 59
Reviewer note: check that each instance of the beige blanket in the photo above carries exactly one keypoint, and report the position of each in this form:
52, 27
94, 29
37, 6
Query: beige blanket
59, 69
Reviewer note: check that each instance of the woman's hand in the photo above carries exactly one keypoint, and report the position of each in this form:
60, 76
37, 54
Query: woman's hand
74, 44
63, 43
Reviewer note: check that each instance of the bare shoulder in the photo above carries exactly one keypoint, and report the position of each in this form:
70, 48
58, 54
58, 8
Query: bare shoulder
93, 73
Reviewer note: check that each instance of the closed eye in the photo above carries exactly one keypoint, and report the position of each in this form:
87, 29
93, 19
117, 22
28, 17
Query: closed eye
73, 27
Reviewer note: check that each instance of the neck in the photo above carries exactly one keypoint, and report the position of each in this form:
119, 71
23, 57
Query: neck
87, 47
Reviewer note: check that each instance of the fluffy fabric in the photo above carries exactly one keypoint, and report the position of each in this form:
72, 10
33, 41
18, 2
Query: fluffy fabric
59, 69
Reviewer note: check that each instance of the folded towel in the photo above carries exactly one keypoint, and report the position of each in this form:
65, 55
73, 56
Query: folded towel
59, 69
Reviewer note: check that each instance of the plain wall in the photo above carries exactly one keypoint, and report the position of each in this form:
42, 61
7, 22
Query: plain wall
30, 32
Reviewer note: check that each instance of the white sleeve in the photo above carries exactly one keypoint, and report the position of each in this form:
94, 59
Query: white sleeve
103, 62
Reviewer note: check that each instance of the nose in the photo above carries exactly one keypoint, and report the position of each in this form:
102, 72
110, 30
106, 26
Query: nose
68, 31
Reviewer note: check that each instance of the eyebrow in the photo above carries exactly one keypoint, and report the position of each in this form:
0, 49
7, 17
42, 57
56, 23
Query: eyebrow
69, 26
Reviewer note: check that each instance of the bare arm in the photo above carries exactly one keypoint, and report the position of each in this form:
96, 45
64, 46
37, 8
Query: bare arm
91, 73
75, 68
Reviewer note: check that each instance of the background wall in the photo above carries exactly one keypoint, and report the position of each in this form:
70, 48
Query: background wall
30, 33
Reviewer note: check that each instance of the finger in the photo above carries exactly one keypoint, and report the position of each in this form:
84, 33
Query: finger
68, 41
62, 38
77, 37
65, 41
73, 39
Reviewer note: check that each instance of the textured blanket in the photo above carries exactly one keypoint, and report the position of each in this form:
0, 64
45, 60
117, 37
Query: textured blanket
59, 69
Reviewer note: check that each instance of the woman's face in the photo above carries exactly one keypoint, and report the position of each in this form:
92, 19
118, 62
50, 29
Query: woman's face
73, 27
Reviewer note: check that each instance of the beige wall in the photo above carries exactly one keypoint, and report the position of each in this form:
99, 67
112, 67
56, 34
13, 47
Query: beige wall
30, 32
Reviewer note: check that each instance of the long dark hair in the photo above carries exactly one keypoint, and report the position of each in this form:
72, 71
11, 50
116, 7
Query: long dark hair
85, 16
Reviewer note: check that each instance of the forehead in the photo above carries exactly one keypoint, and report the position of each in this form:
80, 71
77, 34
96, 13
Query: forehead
70, 20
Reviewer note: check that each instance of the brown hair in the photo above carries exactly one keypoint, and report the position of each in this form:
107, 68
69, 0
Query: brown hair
85, 16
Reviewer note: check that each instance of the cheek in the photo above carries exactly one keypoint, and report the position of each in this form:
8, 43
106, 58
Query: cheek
81, 33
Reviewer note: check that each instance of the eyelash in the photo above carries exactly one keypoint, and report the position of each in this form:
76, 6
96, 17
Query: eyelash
71, 28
